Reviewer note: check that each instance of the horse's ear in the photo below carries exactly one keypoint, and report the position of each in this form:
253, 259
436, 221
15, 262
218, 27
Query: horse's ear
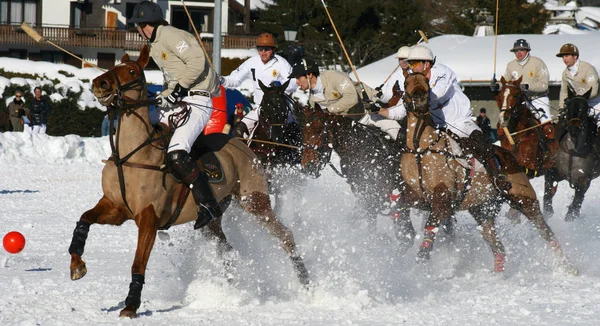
262, 86
502, 80
571, 92
285, 85
519, 80
144, 56
125, 58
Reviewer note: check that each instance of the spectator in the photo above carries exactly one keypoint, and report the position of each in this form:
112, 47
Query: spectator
105, 125
39, 111
484, 124
16, 111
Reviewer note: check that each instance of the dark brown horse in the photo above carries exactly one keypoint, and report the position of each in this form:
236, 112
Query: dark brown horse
578, 159
276, 141
436, 180
534, 145
369, 162
137, 188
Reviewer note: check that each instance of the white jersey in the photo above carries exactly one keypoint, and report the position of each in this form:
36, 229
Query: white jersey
449, 106
388, 88
277, 69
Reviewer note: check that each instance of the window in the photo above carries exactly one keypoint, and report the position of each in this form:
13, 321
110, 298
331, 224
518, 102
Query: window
17, 11
200, 16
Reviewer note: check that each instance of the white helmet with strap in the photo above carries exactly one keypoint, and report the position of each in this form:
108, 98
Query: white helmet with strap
403, 52
420, 53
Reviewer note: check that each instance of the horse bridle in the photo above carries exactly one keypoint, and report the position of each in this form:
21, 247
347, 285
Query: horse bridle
129, 105
516, 110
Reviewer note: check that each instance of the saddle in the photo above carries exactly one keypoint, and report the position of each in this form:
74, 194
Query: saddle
456, 150
203, 152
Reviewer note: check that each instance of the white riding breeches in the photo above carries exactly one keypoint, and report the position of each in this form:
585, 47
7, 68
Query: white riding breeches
540, 103
251, 119
185, 135
391, 127
594, 110
464, 128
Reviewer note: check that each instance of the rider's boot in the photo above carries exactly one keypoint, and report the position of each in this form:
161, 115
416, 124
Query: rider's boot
186, 170
484, 153
240, 130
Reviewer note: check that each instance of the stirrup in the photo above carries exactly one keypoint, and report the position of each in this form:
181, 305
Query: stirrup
502, 183
207, 214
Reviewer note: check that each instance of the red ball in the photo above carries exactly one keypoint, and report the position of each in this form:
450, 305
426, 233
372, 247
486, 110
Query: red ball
14, 242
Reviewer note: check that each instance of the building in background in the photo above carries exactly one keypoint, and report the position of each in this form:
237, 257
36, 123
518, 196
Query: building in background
99, 31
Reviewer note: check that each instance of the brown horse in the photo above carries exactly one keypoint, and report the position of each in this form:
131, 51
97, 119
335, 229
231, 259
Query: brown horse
436, 180
137, 188
534, 145
368, 161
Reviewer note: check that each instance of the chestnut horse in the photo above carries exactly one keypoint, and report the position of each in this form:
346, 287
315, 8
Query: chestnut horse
437, 180
578, 159
137, 188
533, 150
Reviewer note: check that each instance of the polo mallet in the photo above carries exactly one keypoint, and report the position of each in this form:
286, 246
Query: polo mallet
40, 39
197, 35
493, 83
360, 84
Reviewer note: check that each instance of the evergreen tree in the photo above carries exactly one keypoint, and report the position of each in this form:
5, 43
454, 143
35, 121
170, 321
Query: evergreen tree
370, 30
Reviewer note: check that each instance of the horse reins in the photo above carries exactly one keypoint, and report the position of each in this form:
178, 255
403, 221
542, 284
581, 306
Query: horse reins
128, 104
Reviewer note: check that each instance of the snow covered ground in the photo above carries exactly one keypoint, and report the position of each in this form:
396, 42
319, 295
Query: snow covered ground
359, 277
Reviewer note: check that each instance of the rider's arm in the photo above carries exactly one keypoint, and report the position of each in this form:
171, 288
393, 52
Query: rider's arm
239, 75
592, 78
397, 112
341, 97
542, 78
286, 70
442, 88
563, 90
187, 49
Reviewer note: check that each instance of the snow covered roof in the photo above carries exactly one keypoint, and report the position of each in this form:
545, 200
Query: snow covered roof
472, 58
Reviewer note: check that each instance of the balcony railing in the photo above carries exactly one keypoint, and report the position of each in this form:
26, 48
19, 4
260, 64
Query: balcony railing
103, 38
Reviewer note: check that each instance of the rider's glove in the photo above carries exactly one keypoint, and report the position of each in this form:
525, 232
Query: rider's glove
370, 106
524, 87
177, 94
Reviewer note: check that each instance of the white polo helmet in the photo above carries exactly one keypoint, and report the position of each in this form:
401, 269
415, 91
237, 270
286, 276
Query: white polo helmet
403, 52
420, 52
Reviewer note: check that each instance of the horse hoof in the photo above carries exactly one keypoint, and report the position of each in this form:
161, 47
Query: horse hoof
570, 217
422, 256
128, 313
78, 272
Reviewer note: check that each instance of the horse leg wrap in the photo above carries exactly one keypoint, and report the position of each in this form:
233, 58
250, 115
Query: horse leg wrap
499, 261
135, 291
80, 235
428, 238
